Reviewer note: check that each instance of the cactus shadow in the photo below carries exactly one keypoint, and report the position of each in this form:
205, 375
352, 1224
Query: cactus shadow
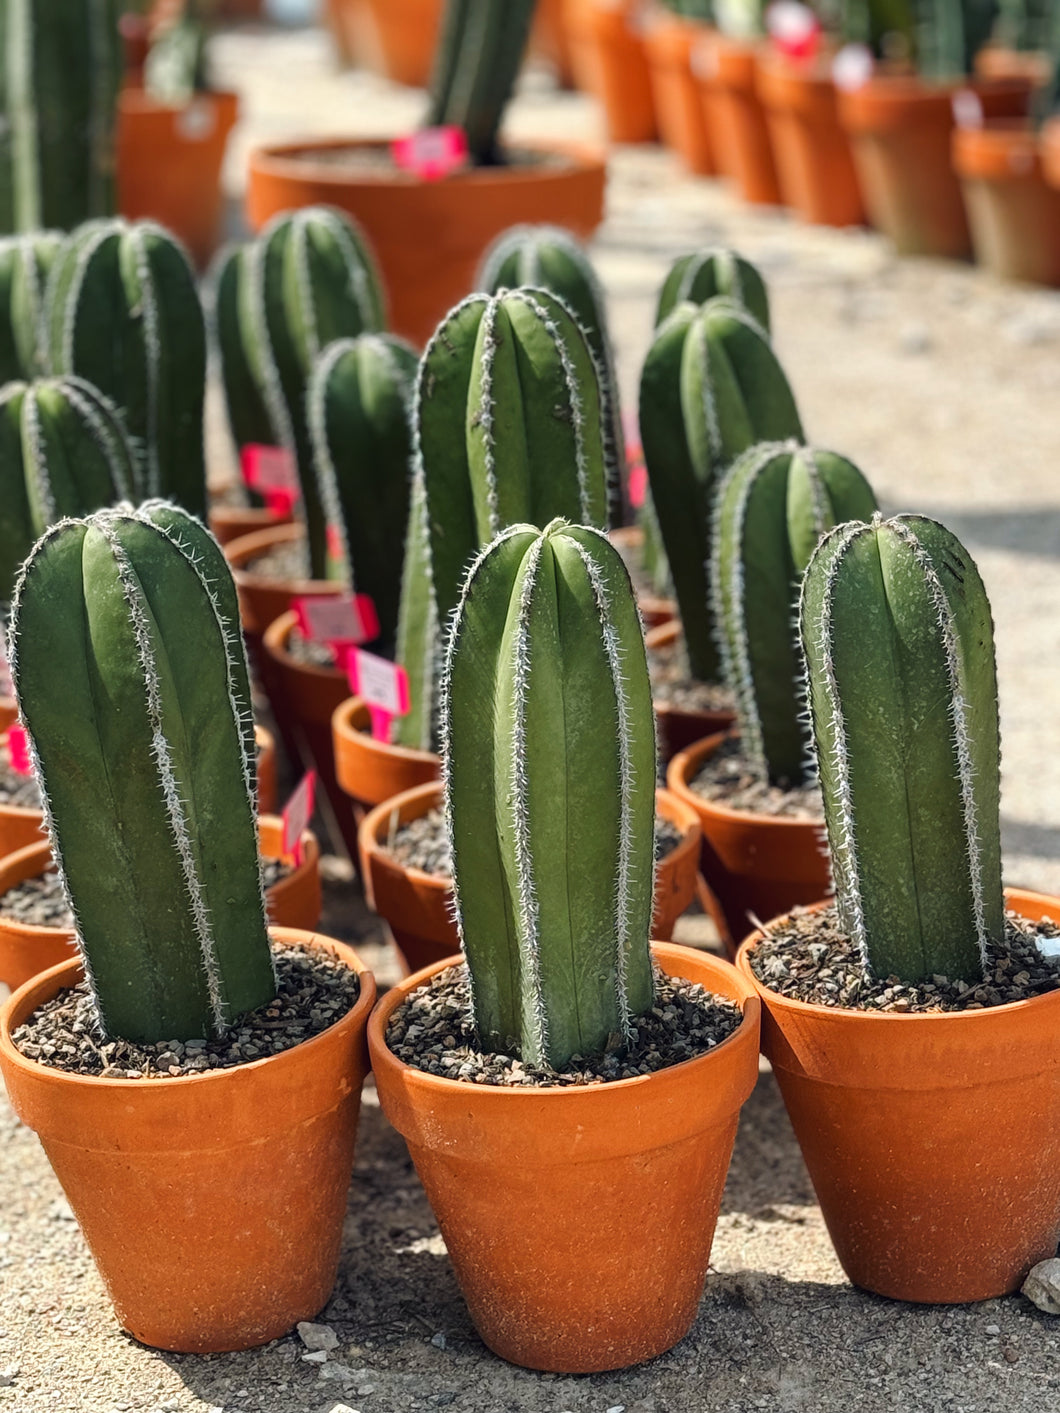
1032, 530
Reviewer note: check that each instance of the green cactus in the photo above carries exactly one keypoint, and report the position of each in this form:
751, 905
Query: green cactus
122, 310
248, 416
62, 71
949, 34
549, 763
418, 639
710, 272
772, 508
898, 641
25, 261
508, 427
128, 673
711, 388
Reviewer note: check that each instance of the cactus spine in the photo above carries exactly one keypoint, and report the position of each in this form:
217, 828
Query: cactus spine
123, 311
898, 640
479, 54
772, 508
549, 760
706, 274
25, 261
711, 388
128, 674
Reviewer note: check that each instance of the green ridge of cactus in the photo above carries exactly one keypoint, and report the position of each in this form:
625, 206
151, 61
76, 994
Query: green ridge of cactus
419, 644
653, 552
122, 309
549, 768
711, 387
949, 34
127, 673
709, 273
25, 261
772, 507
898, 641
358, 403
508, 427
248, 416
63, 64
63, 452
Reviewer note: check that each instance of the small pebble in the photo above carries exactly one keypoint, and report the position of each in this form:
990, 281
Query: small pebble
317, 1337
1042, 1286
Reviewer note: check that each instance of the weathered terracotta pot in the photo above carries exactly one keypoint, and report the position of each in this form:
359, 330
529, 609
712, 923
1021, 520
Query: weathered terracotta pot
933, 1141
372, 771
212, 1204
683, 124
609, 61
596, 1256
654, 610
727, 71
677, 727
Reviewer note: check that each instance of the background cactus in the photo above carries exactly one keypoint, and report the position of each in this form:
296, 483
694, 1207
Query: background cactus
949, 34
549, 759
772, 508
898, 641
708, 273
711, 387
25, 261
128, 674
248, 416
123, 311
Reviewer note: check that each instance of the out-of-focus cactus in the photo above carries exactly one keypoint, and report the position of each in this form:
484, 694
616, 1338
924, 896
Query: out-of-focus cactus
128, 672
25, 261
62, 63
949, 34
706, 274
508, 428
899, 649
549, 760
772, 508
248, 416
123, 311
711, 388
418, 639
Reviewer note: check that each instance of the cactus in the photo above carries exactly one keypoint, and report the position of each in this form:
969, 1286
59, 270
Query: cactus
950, 33
248, 416
358, 402
129, 674
711, 387
549, 766
25, 261
62, 71
123, 311
898, 641
63, 451
508, 427
706, 274
418, 639
772, 508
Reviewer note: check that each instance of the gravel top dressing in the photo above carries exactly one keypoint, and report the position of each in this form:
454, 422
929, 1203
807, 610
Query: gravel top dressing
727, 779
15, 789
308, 652
671, 684
287, 560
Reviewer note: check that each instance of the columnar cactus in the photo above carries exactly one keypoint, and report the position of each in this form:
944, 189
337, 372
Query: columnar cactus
711, 387
418, 639
25, 261
898, 641
62, 71
706, 274
772, 508
123, 311
248, 414
508, 427
950, 33
549, 761
129, 673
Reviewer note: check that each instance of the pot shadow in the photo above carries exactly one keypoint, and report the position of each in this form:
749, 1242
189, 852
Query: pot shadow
1039, 841
1031, 530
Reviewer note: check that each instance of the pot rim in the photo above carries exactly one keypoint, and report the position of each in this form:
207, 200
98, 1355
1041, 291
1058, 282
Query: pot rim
681, 768
275, 640
245, 547
137, 101
344, 730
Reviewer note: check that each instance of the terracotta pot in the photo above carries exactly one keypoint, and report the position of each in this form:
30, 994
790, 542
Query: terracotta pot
933, 1141
8, 712
596, 1255
683, 123
295, 901
19, 825
727, 71
418, 906
814, 162
1014, 215
756, 865
609, 61
263, 599
372, 771
677, 727
394, 37
1031, 65
549, 38
231, 522
900, 129
654, 610
267, 789
463, 212
212, 1204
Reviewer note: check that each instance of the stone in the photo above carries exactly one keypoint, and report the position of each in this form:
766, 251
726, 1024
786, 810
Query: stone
993, 1329
315, 1356
317, 1337
438, 1340
1042, 1286
8, 1375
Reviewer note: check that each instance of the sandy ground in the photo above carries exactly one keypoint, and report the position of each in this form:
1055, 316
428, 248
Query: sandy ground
943, 386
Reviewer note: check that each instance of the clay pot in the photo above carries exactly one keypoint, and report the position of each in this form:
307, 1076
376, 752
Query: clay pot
1013, 213
900, 129
549, 38
294, 901
727, 71
756, 865
814, 162
933, 1141
595, 1255
231, 522
418, 906
19, 825
393, 37
629, 541
683, 124
609, 61
372, 771
1033, 66
8, 712
267, 789
463, 212
263, 599
212, 1204
677, 727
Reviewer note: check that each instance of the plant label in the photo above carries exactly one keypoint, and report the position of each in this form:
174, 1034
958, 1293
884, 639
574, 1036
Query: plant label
382, 685
296, 815
852, 67
337, 619
638, 485
794, 29
18, 756
273, 472
967, 109
431, 153
197, 121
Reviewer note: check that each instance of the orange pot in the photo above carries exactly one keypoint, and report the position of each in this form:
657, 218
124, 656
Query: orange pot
1032, 65
212, 1204
654, 610
677, 727
728, 70
901, 129
261, 599
169, 164
756, 865
814, 163
1014, 215
372, 771
683, 124
549, 37
19, 826
596, 1256
463, 212
609, 61
933, 1141
8, 712
394, 37
295, 901
230, 522
267, 790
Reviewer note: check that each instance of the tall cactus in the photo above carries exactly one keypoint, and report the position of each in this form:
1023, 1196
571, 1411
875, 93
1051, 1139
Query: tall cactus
123, 311
248, 414
898, 640
418, 647
25, 261
772, 508
549, 759
710, 272
128, 674
950, 33
711, 388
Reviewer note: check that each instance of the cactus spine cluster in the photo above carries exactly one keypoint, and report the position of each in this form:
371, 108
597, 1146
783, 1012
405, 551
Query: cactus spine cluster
25, 261
478, 59
549, 760
772, 508
709, 273
898, 640
711, 388
123, 311
131, 679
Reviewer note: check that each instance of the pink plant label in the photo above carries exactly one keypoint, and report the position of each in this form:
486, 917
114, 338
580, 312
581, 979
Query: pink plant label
18, 756
273, 472
382, 685
431, 153
794, 29
638, 485
296, 816
852, 67
337, 619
